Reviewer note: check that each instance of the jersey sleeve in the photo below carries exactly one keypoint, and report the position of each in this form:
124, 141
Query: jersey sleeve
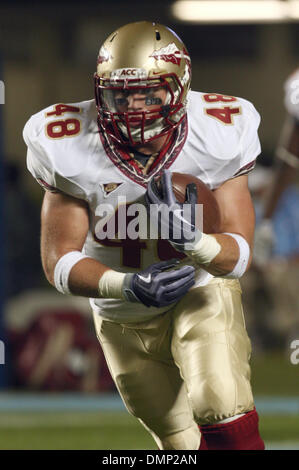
250, 146
41, 159
241, 143
291, 97
38, 163
222, 137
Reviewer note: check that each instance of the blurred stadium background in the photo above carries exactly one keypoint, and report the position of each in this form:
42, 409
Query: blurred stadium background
56, 391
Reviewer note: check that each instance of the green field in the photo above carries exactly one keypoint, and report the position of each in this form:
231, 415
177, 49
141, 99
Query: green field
272, 376
77, 430
106, 430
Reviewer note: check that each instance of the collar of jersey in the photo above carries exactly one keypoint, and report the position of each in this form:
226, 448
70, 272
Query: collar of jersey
128, 165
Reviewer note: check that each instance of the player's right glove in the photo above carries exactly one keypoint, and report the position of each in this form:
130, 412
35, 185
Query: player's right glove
155, 286
178, 220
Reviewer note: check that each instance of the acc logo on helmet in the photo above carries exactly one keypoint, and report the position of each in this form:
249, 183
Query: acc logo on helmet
129, 72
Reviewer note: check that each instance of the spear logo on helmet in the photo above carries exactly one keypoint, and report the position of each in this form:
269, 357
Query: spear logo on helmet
171, 53
104, 56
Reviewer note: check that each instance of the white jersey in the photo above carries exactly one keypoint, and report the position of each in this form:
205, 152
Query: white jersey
216, 142
291, 98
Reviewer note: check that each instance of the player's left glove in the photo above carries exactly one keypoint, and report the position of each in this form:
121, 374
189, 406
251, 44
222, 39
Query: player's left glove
158, 285
175, 221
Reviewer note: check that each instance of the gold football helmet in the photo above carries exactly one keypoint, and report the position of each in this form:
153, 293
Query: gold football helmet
149, 62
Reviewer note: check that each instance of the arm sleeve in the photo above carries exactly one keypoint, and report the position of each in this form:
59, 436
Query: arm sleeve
41, 165
250, 144
41, 173
37, 160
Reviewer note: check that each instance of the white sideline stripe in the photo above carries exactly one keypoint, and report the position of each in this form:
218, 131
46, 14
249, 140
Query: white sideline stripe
60, 402
15, 401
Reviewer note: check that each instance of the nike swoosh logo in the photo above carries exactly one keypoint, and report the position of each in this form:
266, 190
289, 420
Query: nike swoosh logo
146, 279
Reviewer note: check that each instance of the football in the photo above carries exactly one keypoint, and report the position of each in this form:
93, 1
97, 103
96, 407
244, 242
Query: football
211, 212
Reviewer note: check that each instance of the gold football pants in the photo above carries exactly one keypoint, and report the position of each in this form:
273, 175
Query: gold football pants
186, 367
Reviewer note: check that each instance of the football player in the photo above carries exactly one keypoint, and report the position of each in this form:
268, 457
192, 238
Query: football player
287, 165
167, 313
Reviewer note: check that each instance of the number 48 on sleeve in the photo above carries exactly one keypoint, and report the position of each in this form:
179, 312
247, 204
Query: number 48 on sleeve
224, 114
63, 127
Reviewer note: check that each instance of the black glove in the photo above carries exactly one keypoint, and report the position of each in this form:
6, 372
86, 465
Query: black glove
157, 287
176, 221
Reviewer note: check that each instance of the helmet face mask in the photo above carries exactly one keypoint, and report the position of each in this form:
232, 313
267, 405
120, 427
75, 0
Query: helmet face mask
154, 113
141, 95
